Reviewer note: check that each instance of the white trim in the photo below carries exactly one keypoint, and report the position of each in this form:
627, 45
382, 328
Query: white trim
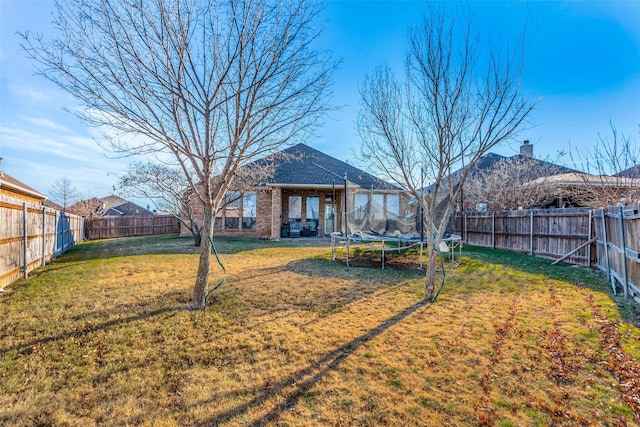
22, 190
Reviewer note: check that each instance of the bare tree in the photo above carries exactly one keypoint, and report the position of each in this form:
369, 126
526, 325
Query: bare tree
451, 109
506, 185
64, 192
613, 170
167, 188
88, 209
211, 84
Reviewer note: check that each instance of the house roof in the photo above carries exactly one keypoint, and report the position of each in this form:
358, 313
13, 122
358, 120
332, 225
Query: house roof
53, 205
632, 172
112, 201
116, 206
7, 181
490, 159
305, 166
579, 179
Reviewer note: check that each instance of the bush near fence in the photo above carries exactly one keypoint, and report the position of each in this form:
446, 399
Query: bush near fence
606, 238
129, 226
30, 235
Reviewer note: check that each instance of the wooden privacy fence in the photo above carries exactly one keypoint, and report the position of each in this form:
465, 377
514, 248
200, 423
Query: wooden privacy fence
608, 238
551, 233
618, 248
128, 226
30, 235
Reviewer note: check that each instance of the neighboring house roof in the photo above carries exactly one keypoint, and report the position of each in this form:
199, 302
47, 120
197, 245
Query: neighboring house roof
117, 206
632, 172
489, 160
53, 205
579, 179
305, 166
15, 186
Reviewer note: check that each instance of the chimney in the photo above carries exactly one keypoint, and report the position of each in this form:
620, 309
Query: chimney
526, 149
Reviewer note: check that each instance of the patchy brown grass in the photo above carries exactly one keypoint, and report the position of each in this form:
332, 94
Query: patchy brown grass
101, 336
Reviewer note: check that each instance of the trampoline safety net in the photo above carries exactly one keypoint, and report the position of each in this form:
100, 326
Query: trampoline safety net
383, 214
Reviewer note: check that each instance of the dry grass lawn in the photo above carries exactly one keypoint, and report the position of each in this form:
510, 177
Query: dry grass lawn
101, 337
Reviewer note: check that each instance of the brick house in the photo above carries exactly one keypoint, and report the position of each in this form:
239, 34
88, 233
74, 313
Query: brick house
116, 207
305, 196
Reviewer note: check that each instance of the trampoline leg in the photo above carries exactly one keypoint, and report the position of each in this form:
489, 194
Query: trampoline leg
348, 252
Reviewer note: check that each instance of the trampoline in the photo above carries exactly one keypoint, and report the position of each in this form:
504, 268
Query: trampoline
384, 244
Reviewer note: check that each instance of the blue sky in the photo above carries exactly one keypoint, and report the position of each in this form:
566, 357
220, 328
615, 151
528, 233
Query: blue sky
583, 61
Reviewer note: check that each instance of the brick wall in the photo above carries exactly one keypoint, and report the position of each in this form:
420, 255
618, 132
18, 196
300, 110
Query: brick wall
263, 213
272, 210
263, 217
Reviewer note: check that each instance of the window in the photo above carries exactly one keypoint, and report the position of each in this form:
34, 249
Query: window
377, 206
232, 200
295, 207
239, 212
231, 223
360, 202
393, 204
249, 207
313, 208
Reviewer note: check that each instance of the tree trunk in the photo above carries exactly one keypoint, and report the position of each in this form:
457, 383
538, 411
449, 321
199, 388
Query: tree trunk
430, 275
197, 238
204, 264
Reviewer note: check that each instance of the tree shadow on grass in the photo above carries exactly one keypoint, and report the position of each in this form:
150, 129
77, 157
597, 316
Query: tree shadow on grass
303, 380
26, 347
173, 244
324, 287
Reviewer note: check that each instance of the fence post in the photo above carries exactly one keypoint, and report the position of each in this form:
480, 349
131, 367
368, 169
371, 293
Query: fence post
464, 227
67, 223
531, 233
590, 231
606, 250
55, 234
493, 230
625, 285
25, 241
63, 219
44, 236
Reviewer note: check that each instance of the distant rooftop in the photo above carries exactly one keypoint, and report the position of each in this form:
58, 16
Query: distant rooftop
7, 181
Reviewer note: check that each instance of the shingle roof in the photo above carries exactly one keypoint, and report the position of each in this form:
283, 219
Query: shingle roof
490, 159
580, 179
632, 172
308, 166
19, 187
114, 206
112, 201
